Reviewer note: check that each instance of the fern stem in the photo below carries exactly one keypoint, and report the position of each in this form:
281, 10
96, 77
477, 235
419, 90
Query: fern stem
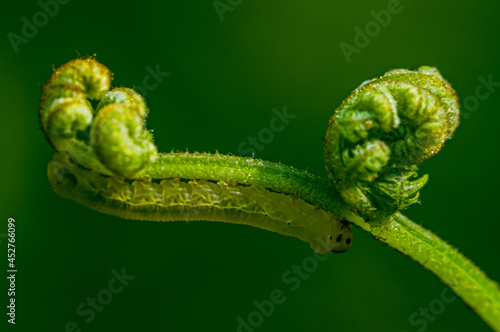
454, 269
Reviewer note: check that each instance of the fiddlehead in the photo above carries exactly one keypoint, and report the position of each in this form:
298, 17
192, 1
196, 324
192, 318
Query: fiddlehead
64, 107
118, 135
119, 142
382, 131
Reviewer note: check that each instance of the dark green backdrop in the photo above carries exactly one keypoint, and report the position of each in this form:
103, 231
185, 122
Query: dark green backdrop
225, 78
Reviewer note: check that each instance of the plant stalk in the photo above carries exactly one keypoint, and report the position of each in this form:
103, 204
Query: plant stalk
454, 269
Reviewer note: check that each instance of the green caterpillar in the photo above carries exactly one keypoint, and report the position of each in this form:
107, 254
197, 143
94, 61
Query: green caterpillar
165, 187
173, 199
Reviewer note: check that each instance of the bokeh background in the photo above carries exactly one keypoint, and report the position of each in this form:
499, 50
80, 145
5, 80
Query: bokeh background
225, 77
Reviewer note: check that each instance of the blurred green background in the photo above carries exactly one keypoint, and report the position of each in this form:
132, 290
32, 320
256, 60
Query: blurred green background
225, 78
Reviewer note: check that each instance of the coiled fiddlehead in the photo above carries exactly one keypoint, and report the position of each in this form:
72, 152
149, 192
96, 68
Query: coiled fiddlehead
118, 135
382, 131
119, 142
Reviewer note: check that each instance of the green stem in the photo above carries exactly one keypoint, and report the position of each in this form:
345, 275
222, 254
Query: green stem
400, 233
247, 171
276, 177
454, 269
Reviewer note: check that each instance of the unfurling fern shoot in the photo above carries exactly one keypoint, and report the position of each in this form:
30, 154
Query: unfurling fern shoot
382, 131
373, 144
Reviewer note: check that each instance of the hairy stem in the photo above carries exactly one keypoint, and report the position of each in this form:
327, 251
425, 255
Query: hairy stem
247, 171
400, 233
453, 268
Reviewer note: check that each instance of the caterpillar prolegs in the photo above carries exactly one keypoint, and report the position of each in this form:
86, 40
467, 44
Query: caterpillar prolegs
190, 200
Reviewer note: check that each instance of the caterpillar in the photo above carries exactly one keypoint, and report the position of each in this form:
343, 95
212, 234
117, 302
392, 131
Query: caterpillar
175, 199
119, 171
